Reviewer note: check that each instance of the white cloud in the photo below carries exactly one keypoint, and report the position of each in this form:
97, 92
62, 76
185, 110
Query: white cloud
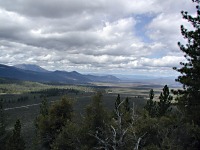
92, 35
166, 61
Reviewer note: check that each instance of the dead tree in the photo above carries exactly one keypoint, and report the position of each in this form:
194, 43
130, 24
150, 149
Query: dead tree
117, 134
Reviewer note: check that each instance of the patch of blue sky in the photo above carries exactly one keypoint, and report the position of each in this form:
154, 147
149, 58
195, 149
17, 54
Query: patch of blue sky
142, 22
161, 54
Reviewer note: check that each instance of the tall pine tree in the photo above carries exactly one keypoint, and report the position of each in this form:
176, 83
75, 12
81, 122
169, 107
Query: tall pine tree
16, 142
44, 107
126, 105
189, 96
3, 133
96, 118
118, 101
51, 120
151, 106
2, 119
165, 101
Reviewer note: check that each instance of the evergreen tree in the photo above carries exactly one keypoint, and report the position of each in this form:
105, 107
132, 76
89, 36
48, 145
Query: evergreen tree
3, 134
2, 119
16, 142
44, 107
189, 96
165, 101
43, 116
151, 105
95, 121
125, 110
49, 126
118, 101
68, 139
126, 105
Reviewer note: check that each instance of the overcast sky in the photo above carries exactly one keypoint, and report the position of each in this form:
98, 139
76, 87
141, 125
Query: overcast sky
99, 36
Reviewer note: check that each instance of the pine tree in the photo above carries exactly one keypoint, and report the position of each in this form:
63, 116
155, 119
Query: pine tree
165, 101
16, 142
49, 126
3, 133
44, 107
151, 105
2, 119
43, 116
94, 121
126, 105
189, 96
68, 138
118, 101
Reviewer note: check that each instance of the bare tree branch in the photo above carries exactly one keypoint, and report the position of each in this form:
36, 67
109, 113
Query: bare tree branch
118, 135
138, 142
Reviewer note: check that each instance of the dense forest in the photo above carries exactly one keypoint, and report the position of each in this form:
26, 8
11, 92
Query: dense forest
169, 123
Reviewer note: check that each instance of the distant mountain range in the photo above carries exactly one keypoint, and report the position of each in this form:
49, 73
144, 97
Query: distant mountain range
30, 67
29, 72
35, 73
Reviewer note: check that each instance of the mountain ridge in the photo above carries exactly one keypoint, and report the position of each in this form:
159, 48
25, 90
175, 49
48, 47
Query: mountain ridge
30, 67
38, 74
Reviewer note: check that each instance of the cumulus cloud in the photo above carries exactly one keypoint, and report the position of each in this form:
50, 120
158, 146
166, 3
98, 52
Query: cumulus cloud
93, 36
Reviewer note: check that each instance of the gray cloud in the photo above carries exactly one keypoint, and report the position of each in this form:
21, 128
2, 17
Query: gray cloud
91, 36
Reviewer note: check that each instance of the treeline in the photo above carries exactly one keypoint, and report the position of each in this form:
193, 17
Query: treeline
55, 92
16, 99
